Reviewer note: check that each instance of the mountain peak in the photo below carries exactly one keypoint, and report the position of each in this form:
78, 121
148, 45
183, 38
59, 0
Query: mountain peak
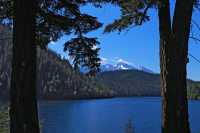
118, 66
121, 64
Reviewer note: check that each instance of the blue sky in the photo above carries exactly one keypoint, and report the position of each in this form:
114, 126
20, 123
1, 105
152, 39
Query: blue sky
138, 45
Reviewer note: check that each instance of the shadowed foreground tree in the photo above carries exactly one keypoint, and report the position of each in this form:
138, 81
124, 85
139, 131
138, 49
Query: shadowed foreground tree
174, 36
57, 18
173, 62
23, 104
40, 22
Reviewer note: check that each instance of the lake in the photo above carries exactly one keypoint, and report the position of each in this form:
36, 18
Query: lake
108, 115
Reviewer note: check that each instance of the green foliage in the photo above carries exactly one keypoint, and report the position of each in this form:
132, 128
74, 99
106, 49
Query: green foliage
4, 120
131, 83
56, 79
57, 18
138, 83
84, 51
133, 13
194, 90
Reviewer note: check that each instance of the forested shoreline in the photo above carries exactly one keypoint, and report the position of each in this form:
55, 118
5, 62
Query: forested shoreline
57, 80
29, 71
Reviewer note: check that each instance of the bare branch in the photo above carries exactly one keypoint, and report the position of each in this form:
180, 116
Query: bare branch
144, 14
196, 24
196, 59
195, 38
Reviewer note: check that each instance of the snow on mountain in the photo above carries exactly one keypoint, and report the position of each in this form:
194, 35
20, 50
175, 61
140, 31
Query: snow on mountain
124, 66
116, 65
144, 69
121, 64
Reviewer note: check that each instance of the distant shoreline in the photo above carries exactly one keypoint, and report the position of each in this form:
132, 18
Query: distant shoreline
101, 98
3, 101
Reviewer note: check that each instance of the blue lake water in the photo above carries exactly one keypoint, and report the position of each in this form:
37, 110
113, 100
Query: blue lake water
108, 115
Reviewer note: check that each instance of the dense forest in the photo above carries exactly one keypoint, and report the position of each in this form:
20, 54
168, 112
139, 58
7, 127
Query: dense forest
39, 22
139, 83
131, 82
56, 79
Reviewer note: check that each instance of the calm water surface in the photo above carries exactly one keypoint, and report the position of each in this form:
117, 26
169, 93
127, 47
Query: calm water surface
108, 115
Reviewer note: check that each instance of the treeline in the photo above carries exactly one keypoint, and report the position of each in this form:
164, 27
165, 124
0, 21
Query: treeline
139, 83
131, 83
47, 20
56, 79
194, 91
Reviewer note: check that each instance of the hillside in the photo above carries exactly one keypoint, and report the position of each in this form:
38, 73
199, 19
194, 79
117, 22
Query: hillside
140, 83
56, 79
131, 82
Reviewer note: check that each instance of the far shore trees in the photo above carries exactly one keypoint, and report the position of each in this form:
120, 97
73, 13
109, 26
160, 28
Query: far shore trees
47, 20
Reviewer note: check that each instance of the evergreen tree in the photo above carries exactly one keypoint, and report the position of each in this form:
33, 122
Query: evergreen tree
174, 36
57, 18
23, 104
40, 22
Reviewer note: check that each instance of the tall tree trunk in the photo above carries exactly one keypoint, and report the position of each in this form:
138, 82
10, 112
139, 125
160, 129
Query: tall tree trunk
181, 31
173, 60
23, 103
168, 72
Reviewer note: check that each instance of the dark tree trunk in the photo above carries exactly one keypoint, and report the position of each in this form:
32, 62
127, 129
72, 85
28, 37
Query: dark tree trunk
181, 31
168, 72
173, 61
23, 103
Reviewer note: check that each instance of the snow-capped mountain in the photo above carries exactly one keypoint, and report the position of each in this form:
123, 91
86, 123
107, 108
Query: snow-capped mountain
118, 66
123, 65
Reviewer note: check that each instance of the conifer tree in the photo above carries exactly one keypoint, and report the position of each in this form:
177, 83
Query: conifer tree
174, 36
38, 22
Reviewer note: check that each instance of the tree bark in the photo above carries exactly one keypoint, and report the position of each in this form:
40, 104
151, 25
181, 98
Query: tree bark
181, 31
23, 103
168, 72
173, 61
